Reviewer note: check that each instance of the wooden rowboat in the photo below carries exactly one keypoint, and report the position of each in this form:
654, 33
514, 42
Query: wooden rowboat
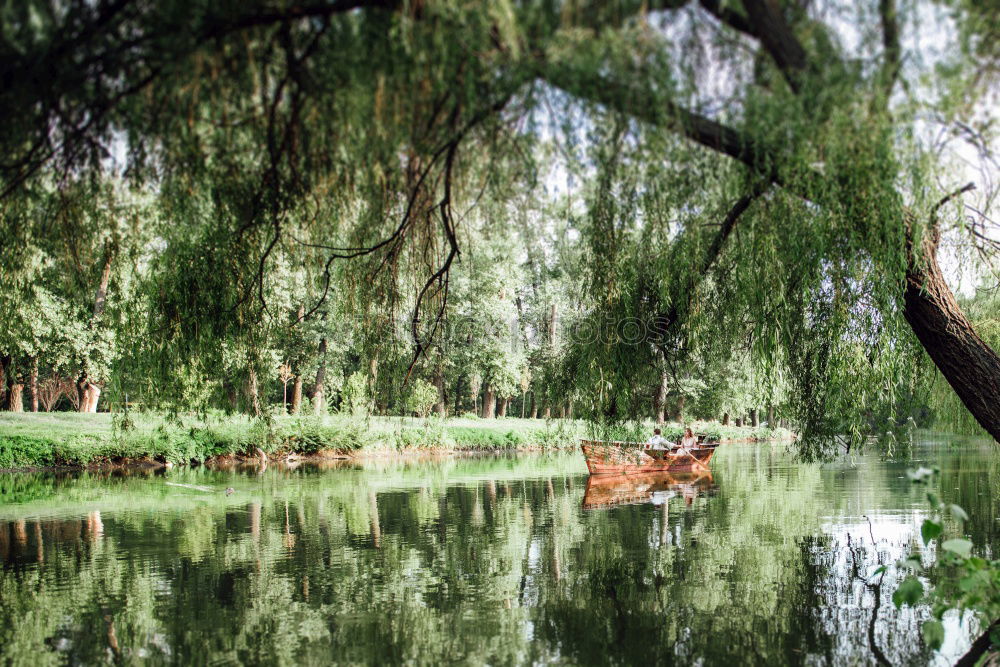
607, 458
611, 490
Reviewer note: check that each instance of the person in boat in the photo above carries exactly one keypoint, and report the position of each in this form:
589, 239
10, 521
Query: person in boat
689, 441
657, 441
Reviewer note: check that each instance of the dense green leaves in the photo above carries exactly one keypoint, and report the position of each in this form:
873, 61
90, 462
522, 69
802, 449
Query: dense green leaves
930, 530
909, 591
933, 633
959, 546
641, 211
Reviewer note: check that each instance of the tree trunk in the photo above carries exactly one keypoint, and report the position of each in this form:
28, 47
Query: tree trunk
231, 395
33, 384
660, 399
296, 364
739, 421
547, 412
458, 396
725, 419
441, 406
534, 406
318, 397
297, 394
93, 395
81, 392
87, 393
253, 396
15, 397
552, 326
373, 383
87, 389
969, 365
101, 297
770, 416
502, 412
754, 420
5, 362
489, 402
679, 409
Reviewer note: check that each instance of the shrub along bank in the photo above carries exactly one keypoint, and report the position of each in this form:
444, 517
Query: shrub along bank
71, 439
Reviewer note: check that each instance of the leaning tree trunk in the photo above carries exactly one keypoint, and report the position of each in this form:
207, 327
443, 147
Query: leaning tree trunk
969, 365
33, 384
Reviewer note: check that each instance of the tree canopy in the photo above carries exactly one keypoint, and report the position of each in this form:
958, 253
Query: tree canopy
617, 208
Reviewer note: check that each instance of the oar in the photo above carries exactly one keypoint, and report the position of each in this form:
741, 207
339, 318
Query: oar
694, 460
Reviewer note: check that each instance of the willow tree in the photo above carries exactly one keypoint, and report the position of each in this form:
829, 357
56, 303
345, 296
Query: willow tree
354, 130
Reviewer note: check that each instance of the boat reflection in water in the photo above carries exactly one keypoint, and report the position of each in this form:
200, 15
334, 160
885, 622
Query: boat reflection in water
655, 488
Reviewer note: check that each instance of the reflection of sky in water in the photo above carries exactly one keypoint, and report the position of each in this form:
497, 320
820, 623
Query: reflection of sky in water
895, 536
479, 560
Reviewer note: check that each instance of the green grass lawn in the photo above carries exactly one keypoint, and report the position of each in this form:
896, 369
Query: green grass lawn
65, 438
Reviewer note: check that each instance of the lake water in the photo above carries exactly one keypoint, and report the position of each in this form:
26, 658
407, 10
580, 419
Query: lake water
480, 560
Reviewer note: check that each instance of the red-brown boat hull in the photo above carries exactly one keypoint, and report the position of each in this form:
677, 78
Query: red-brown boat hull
605, 458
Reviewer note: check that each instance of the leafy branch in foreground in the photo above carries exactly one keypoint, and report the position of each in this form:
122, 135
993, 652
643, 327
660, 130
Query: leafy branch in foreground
966, 582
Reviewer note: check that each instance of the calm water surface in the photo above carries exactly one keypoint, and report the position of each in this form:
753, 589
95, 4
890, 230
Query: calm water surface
485, 560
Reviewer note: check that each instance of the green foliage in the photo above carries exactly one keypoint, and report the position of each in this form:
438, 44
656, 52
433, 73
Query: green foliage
968, 582
909, 591
421, 397
368, 195
17, 451
312, 435
356, 399
933, 633
944, 410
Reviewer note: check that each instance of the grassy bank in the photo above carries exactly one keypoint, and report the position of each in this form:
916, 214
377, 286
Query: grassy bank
70, 439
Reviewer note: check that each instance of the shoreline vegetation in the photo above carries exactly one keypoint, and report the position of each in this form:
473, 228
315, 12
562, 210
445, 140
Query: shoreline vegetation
71, 440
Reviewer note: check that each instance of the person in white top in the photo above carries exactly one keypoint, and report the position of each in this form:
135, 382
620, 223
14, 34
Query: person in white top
657, 441
689, 440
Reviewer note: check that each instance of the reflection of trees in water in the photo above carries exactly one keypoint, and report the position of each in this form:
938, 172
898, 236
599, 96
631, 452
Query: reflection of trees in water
481, 560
